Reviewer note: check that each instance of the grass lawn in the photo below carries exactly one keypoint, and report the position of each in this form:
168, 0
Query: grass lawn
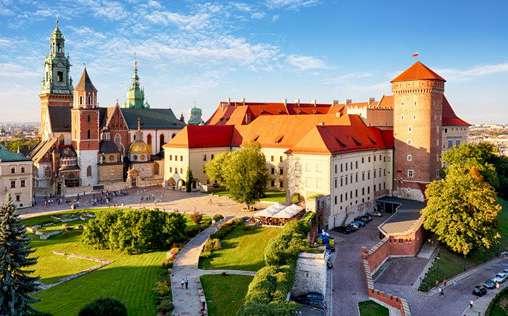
450, 264
242, 249
225, 294
371, 308
499, 305
129, 278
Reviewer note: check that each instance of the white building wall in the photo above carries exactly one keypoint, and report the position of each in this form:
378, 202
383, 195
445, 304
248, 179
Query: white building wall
88, 158
453, 136
356, 180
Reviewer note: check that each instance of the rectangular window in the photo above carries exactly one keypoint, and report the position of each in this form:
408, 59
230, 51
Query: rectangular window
281, 184
335, 169
335, 183
22, 169
341, 197
281, 171
356, 164
410, 173
450, 143
18, 198
181, 158
22, 183
280, 159
409, 157
368, 159
335, 199
368, 190
271, 158
341, 181
273, 183
204, 157
363, 191
13, 184
273, 172
211, 156
170, 157
346, 166
13, 170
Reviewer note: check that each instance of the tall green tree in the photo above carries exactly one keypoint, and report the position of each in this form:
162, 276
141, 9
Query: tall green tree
462, 210
243, 172
16, 284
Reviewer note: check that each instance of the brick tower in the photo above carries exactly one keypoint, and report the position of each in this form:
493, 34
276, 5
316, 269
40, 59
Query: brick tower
56, 85
85, 129
418, 98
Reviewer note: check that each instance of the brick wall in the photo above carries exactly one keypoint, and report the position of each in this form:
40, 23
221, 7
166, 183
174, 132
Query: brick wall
401, 245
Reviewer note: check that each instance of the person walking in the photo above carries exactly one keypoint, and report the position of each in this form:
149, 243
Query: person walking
441, 292
471, 304
182, 283
186, 284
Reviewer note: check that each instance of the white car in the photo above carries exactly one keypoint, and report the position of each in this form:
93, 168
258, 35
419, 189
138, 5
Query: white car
500, 277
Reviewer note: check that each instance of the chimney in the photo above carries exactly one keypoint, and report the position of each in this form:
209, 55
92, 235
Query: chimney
372, 100
315, 102
243, 100
285, 102
298, 101
229, 101
335, 102
349, 101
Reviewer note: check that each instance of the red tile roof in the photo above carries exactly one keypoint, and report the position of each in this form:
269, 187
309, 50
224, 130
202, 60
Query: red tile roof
386, 103
418, 71
449, 118
235, 112
203, 136
333, 139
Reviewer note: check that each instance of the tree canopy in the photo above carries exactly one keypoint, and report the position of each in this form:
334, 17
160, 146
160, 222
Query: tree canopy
243, 173
16, 284
462, 207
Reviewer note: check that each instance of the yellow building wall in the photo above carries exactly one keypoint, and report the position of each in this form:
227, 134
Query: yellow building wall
22, 196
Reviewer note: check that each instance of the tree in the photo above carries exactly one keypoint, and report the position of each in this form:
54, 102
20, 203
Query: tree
104, 307
188, 181
483, 156
242, 172
214, 168
462, 210
16, 284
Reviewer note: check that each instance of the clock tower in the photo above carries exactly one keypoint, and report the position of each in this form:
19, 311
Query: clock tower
56, 85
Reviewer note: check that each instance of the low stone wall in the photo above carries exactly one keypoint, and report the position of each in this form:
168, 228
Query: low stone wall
310, 274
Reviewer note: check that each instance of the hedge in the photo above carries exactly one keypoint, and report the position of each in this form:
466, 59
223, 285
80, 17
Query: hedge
134, 231
270, 287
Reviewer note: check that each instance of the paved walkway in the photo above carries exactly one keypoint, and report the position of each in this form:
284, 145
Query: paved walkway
189, 301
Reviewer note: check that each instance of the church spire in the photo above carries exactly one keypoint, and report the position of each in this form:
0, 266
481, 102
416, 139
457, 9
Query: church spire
135, 94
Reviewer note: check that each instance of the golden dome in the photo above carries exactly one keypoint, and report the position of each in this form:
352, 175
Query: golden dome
139, 148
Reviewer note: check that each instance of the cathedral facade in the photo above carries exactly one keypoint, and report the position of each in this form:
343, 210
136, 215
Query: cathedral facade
84, 146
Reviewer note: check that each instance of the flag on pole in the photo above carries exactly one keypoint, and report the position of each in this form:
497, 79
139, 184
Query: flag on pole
415, 54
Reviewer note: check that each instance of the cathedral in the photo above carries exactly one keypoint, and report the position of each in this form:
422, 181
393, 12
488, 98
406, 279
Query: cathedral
86, 147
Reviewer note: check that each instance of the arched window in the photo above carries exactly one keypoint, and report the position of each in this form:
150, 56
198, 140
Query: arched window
88, 134
149, 139
161, 141
89, 171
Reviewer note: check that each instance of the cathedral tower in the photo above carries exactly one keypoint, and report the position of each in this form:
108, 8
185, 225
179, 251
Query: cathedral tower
135, 94
56, 85
418, 98
85, 129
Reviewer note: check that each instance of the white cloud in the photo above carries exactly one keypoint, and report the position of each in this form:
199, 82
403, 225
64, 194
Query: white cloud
10, 70
5, 42
109, 9
186, 22
305, 62
290, 4
476, 71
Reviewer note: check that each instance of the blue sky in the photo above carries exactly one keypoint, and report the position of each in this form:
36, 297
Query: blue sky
199, 52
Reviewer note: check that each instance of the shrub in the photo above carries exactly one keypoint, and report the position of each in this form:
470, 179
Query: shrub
218, 217
167, 263
212, 245
285, 247
165, 306
162, 288
104, 307
271, 309
227, 228
196, 217
134, 231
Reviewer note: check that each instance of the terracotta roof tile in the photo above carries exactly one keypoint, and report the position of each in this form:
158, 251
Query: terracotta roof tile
203, 136
418, 71
449, 118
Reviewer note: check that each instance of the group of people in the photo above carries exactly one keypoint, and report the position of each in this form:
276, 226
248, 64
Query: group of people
94, 199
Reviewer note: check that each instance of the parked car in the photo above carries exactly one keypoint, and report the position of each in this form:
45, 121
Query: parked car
377, 214
490, 284
500, 277
344, 229
358, 223
366, 218
314, 299
479, 290
353, 227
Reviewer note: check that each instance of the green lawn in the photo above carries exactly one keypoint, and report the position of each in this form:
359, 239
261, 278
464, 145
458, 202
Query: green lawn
371, 308
129, 278
225, 294
242, 249
450, 264
499, 305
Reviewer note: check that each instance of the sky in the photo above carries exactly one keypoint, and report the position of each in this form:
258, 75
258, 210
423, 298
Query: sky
197, 53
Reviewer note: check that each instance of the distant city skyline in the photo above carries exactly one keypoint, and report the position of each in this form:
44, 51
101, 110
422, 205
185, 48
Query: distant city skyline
199, 53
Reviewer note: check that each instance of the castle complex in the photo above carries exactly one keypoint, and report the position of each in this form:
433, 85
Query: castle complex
338, 157
85, 146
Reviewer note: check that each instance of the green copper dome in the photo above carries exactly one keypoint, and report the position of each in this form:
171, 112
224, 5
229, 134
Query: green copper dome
135, 94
